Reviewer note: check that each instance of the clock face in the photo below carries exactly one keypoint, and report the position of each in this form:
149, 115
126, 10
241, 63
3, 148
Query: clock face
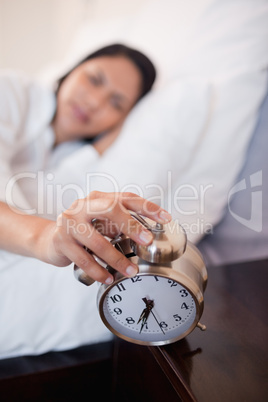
149, 309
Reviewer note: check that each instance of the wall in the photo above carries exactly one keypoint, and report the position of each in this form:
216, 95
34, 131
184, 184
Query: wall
35, 33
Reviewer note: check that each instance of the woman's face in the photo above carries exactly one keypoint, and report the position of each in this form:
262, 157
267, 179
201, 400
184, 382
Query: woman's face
95, 97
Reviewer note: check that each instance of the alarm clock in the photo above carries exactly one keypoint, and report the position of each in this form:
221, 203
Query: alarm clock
164, 302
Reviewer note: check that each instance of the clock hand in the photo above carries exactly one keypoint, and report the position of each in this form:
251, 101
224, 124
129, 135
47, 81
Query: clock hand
144, 319
158, 322
142, 315
150, 305
145, 313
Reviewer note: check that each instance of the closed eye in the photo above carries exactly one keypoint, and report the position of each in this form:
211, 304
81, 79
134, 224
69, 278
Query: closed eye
95, 80
116, 103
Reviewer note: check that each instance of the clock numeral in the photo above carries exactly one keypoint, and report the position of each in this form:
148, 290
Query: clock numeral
116, 298
173, 283
156, 278
163, 324
184, 305
120, 287
184, 293
177, 317
130, 320
136, 279
118, 310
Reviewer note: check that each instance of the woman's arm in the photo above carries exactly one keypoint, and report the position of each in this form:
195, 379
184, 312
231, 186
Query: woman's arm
62, 242
19, 232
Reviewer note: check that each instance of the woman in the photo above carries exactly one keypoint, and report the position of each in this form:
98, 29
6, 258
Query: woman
96, 96
93, 99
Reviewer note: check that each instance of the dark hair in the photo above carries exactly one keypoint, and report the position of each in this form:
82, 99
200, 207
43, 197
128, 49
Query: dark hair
141, 61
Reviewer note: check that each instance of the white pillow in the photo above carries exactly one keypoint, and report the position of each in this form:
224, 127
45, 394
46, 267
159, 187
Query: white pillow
195, 37
169, 121
182, 146
229, 36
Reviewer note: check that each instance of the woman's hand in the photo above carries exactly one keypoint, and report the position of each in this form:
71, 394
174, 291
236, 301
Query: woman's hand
64, 240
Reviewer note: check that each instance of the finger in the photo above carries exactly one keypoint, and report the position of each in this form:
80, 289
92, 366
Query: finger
106, 227
135, 203
145, 207
102, 248
86, 262
119, 218
113, 229
86, 234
